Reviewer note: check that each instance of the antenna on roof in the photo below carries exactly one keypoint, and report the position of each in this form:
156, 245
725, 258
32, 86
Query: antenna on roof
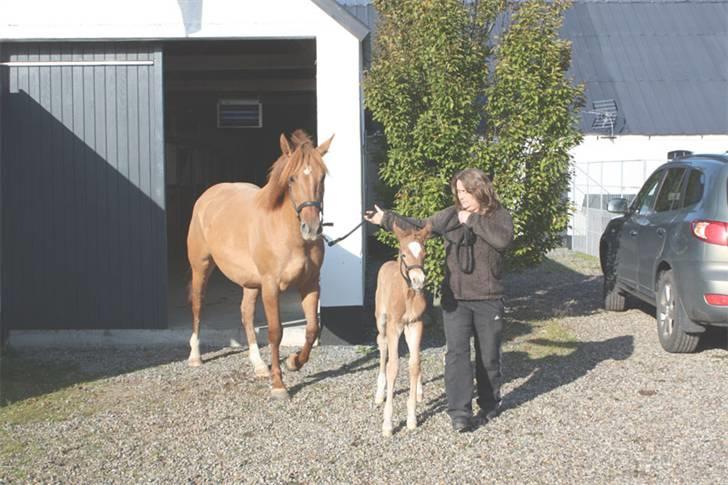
605, 112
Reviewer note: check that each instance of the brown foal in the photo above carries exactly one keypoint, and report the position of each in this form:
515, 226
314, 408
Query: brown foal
400, 304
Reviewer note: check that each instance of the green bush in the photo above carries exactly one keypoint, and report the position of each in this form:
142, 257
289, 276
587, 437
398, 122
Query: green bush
449, 96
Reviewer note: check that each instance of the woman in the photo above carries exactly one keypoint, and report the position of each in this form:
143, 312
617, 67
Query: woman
477, 230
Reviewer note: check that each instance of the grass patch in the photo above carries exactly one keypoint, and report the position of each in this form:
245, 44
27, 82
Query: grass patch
79, 400
585, 258
573, 261
38, 390
550, 340
23, 377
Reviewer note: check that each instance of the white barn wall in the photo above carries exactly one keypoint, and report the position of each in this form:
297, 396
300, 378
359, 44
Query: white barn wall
339, 92
604, 168
603, 159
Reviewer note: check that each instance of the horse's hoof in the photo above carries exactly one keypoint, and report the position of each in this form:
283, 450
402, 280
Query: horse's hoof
279, 394
291, 363
194, 362
262, 371
386, 432
378, 399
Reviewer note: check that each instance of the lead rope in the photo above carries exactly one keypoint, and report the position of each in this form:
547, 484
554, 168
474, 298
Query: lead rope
332, 242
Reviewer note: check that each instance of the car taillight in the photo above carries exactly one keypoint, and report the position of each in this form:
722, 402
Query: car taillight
713, 232
716, 299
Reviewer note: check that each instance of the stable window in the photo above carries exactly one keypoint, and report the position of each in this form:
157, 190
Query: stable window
239, 113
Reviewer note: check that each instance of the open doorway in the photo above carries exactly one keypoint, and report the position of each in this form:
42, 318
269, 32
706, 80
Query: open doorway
226, 104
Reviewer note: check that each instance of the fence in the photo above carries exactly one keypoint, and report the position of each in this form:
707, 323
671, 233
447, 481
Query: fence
593, 185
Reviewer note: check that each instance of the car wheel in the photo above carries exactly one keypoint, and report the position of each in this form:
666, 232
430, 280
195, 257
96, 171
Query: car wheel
670, 315
614, 299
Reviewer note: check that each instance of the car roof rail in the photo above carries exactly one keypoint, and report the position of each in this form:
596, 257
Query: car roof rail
711, 156
678, 154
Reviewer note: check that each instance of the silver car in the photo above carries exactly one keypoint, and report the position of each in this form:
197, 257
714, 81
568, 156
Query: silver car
670, 248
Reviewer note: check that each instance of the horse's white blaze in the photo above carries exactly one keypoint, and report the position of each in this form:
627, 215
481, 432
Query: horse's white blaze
416, 248
307, 170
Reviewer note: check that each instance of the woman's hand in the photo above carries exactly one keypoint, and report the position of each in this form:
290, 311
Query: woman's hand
463, 216
374, 216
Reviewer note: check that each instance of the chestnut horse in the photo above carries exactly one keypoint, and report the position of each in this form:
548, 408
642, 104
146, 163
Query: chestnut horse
399, 306
266, 240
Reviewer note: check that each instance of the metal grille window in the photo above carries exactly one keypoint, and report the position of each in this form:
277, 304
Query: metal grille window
239, 113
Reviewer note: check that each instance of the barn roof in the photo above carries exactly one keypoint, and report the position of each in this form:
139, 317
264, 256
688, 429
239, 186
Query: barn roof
663, 62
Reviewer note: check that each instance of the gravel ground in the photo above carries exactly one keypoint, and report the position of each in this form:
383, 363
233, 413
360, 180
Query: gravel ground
589, 397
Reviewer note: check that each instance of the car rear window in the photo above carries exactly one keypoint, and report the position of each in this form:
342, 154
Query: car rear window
694, 189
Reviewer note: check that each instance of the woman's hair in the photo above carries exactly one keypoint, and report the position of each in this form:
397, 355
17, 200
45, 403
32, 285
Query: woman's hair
477, 183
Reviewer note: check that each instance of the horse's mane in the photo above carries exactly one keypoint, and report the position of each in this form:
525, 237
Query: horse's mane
274, 191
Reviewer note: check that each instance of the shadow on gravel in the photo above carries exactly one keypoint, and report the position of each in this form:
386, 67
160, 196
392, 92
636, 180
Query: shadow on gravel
547, 373
552, 290
358, 365
25, 374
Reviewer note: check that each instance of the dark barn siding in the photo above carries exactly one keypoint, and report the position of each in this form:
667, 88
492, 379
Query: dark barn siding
3, 83
83, 189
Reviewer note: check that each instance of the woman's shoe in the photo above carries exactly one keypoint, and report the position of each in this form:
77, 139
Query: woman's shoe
483, 416
461, 425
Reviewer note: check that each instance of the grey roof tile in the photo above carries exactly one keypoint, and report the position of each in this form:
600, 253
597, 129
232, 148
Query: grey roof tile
665, 62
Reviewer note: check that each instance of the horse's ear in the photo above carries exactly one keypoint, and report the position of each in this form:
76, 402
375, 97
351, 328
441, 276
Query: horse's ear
397, 231
324, 147
285, 146
425, 232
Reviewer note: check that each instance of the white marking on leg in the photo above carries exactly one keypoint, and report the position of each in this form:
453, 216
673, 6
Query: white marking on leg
194, 358
381, 388
257, 361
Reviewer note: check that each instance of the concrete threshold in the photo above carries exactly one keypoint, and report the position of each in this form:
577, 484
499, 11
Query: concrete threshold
294, 334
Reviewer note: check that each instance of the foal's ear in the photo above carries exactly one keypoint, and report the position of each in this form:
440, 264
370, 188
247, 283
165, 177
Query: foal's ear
425, 232
285, 146
324, 147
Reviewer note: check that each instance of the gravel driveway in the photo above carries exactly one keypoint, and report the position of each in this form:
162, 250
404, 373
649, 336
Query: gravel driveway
590, 397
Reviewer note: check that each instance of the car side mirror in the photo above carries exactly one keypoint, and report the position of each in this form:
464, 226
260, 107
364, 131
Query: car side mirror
618, 206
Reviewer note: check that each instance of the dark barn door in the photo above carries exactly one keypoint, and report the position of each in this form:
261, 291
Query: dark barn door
83, 223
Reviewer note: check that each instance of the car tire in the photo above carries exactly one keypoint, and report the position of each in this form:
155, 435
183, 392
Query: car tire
670, 316
614, 299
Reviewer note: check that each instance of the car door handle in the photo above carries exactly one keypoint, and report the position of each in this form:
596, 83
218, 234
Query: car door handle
660, 232
633, 233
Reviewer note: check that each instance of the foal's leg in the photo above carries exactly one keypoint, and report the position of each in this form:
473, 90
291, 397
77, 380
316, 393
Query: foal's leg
392, 367
309, 301
201, 270
271, 295
247, 308
382, 343
413, 336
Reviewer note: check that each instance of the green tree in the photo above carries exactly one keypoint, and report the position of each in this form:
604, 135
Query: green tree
431, 88
531, 125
